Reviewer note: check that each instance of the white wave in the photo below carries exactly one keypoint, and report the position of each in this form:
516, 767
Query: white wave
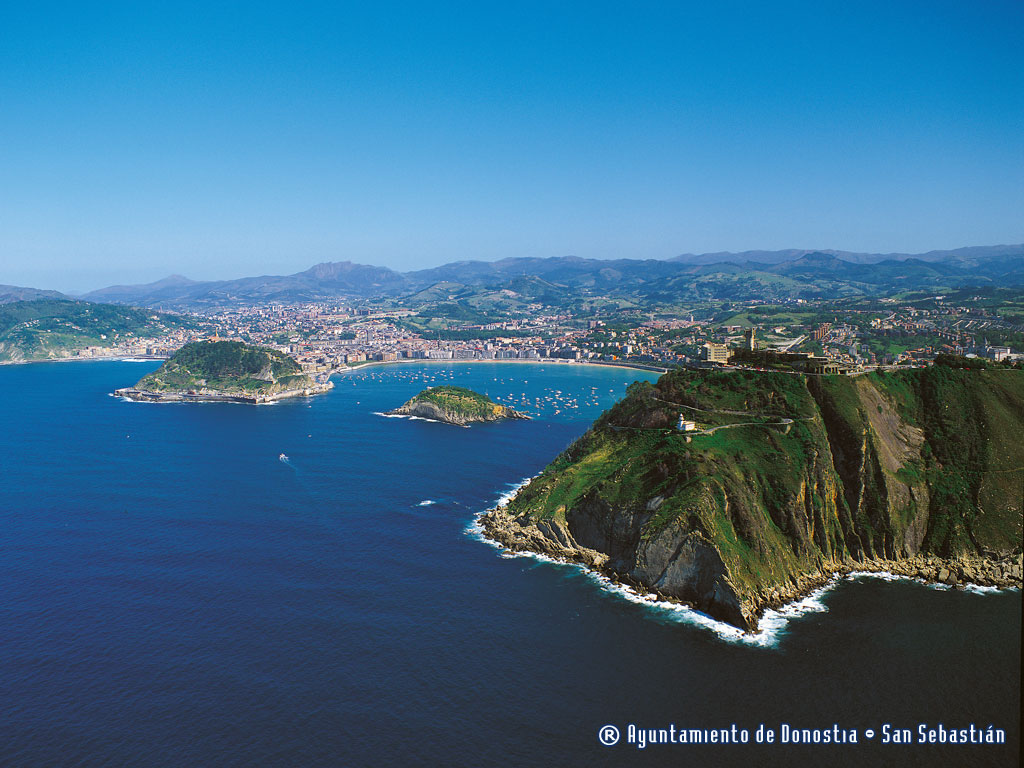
426, 503
978, 589
773, 622
514, 488
770, 628
401, 416
883, 575
136, 360
415, 418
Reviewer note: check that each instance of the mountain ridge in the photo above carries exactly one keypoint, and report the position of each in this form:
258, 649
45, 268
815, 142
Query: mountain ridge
813, 273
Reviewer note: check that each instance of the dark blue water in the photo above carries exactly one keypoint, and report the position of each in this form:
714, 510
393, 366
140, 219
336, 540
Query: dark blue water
172, 594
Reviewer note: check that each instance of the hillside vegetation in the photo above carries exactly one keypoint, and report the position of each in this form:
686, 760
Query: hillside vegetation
456, 405
785, 478
226, 367
46, 329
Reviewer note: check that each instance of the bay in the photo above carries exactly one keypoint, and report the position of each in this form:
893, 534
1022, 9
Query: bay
174, 593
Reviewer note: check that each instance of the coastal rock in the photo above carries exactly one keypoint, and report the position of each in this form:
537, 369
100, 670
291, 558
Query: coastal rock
455, 405
876, 474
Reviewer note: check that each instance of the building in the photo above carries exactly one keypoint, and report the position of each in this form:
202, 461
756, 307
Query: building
823, 367
715, 353
683, 425
751, 337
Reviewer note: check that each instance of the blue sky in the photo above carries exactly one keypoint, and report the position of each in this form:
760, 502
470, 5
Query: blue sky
138, 140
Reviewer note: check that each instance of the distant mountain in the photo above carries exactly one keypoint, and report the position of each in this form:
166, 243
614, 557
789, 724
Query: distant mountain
124, 293
11, 293
979, 252
333, 280
751, 274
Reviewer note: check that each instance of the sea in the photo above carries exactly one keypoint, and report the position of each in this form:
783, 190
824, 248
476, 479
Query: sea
302, 584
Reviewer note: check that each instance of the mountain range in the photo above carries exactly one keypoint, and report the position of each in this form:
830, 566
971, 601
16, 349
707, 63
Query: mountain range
12, 293
750, 274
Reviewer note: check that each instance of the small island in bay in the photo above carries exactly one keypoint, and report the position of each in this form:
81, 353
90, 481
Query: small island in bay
455, 405
227, 371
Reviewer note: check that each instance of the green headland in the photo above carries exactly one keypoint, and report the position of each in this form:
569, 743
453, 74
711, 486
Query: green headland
738, 491
225, 370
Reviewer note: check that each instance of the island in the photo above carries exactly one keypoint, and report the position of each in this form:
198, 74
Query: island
738, 491
227, 371
455, 405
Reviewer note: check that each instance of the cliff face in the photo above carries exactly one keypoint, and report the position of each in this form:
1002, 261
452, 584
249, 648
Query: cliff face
456, 405
784, 481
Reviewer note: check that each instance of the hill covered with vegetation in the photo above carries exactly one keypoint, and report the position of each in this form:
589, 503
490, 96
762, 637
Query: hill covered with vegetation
470, 290
785, 480
455, 405
51, 329
225, 370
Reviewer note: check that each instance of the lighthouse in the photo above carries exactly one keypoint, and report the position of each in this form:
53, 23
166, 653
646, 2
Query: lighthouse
685, 426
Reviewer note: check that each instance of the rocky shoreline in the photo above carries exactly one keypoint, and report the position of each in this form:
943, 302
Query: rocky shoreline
433, 412
521, 535
214, 396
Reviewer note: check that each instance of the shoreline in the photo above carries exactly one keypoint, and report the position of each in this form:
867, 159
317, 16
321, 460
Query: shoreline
368, 364
542, 361
102, 359
148, 396
773, 605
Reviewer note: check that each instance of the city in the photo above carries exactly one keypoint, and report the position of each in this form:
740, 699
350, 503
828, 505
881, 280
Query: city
331, 337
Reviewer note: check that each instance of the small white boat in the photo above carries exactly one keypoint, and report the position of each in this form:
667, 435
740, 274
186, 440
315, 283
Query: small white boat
282, 457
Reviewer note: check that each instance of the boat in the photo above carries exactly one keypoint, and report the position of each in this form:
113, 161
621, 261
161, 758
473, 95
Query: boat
282, 457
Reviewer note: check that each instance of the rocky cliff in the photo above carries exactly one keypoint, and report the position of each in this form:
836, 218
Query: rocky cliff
456, 405
784, 480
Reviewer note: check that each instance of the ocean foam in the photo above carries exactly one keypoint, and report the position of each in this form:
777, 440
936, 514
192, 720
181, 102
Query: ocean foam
415, 418
770, 628
978, 589
772, 625
426, 503
514, 488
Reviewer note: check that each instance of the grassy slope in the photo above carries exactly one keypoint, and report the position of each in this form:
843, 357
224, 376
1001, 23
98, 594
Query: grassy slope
51, 328
771, 500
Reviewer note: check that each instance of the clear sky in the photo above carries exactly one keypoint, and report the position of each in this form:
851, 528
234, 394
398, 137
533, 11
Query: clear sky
220, 140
